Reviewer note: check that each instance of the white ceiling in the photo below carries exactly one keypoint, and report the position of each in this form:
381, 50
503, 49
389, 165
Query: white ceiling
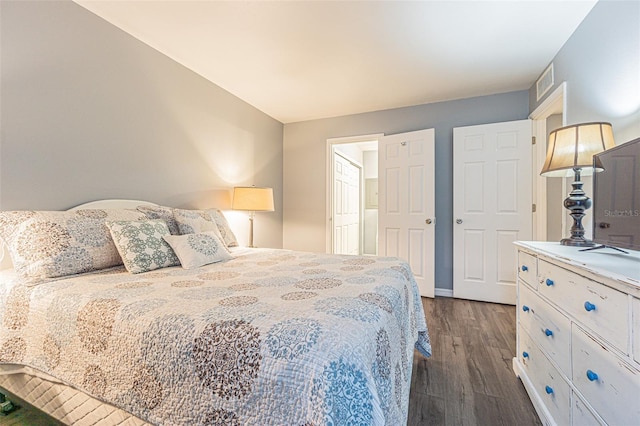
301, 60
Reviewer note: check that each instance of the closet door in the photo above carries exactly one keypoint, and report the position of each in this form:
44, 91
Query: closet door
492, 203
346, 206
406, 203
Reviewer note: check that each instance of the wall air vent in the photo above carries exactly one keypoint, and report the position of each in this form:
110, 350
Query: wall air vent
545, 82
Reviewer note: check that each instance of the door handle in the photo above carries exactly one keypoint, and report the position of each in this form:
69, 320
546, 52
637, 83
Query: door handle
458, 221
429, 221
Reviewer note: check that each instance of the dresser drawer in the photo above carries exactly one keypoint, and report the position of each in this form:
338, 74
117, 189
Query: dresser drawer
610, 385
636, 329
600, 308
548, 383
547, 327
528, 268
580, 414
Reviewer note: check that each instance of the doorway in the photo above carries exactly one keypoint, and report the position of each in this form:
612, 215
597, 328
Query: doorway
352, 210
550, 218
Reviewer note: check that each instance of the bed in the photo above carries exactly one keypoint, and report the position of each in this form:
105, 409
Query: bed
264, 337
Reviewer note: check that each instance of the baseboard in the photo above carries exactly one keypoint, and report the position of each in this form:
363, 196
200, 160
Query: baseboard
443, 292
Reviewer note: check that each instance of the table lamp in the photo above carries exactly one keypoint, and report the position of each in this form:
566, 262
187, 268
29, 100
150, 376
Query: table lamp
252, 199
571, 149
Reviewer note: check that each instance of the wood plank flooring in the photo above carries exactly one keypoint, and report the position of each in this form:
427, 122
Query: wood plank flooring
467, 381
26, 415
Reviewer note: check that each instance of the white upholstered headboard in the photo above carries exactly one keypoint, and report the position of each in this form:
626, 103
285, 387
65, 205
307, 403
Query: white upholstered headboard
5, 259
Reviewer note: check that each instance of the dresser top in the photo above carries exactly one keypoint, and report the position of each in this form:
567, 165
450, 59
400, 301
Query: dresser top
604, 262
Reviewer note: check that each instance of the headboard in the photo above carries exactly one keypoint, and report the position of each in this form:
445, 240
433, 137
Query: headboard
5, 259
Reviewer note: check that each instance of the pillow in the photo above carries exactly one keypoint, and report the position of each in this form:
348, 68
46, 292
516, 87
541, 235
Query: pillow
195, 250
227, 234
49, 244
195, 222
141, 245
164, 213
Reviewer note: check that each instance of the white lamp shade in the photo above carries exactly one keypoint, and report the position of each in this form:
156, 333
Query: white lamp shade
252, 198
574, 146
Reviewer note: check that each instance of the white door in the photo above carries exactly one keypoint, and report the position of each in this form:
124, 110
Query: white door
406, 203
492, 199
346, 206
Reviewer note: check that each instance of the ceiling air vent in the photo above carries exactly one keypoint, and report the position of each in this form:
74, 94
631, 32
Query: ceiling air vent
545, 82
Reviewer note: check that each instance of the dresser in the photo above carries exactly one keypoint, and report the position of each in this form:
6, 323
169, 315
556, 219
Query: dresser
578, 333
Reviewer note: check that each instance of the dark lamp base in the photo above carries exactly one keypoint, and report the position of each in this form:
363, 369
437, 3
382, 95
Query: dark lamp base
577, 242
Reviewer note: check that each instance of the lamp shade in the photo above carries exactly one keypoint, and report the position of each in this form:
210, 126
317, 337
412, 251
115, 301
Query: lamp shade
252, 198
574, 146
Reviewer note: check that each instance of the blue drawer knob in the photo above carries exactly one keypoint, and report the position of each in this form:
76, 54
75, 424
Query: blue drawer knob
548, 389
524, 268
549, 282
591, 375
548, 332
525, 308
588, 306
525, 354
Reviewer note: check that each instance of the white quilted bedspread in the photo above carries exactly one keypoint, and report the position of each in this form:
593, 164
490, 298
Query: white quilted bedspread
271, 337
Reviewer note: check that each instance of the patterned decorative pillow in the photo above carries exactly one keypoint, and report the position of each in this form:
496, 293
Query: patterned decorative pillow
228, 236
141, 244
49, 244
195, 250
195, 221
164, 213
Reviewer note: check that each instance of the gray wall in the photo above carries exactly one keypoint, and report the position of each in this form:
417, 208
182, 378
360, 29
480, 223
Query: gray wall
601, 65
305, 163
89, 112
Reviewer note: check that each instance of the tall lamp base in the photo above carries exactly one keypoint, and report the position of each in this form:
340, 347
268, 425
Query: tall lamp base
577, 202
251, 217
577, 242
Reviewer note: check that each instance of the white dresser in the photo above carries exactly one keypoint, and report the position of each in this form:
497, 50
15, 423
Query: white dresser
578, 345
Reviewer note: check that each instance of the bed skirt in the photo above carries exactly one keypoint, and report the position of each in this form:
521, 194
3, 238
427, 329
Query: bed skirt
62, 402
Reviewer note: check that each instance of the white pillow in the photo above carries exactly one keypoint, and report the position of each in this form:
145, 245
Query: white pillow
141, 246
195, 221
50, 244
195, 250
227, 234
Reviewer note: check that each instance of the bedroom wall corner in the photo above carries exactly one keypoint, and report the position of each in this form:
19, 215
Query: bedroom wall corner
600, 63
90, 112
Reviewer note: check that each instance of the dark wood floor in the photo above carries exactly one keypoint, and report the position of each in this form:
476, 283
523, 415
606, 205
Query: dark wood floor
467, 381
26, 415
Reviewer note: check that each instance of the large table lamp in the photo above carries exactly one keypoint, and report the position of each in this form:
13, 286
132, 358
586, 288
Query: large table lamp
252, 199
570, 152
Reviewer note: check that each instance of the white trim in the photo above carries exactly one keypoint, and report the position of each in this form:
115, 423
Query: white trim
329, 180
443, 292
355, 139
547, 106
555, 102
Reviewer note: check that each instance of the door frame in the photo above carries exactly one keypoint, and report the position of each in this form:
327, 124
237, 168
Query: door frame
331, 143
555, 103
